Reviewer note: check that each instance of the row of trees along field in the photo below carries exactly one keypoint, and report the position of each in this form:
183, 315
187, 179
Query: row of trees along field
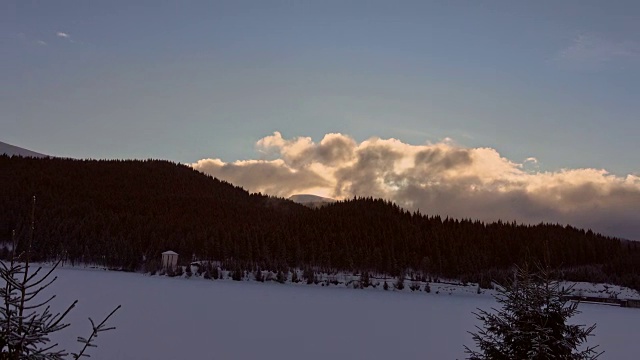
125, 213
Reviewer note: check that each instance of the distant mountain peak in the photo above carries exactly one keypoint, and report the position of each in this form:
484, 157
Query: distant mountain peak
311, 200
12, 150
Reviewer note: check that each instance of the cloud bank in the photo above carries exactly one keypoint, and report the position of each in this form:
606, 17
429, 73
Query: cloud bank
439, 178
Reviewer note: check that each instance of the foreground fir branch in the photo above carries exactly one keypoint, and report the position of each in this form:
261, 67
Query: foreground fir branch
26, 322
96, 329
532, 322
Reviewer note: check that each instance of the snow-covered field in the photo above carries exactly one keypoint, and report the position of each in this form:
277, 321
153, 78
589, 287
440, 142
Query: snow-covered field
177, 318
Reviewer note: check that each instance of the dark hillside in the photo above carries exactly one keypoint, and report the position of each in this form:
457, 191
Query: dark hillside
114, 212
119, 213
382, 237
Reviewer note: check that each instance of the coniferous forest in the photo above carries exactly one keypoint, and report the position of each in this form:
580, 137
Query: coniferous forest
123, 214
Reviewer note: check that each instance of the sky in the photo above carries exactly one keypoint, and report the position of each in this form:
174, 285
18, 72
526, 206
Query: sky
537, 101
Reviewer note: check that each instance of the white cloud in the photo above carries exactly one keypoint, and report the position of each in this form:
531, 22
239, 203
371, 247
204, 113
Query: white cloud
269, 177
62, 35
41, 42
442, 178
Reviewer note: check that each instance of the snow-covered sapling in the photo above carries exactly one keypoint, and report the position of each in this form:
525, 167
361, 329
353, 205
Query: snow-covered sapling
26, 322
532, 322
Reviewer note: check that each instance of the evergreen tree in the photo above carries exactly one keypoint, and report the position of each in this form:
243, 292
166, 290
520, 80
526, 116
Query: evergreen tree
309, 275
259, 276
365, 280
237, 273
200, 269
27, 323
531, 323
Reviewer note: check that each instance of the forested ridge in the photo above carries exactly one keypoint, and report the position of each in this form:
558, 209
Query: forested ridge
124, 213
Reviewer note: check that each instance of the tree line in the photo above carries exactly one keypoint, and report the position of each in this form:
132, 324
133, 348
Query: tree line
124, 213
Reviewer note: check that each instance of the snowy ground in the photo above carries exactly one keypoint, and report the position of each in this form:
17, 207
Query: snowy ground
177, 318
603, 291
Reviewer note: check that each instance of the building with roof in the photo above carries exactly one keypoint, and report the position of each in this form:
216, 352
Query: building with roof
169, 260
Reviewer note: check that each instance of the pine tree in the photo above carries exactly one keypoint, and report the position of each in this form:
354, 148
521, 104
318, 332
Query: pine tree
200, 269
309, 275
531, 323
259, 276
365, 280
26, 323
237, 274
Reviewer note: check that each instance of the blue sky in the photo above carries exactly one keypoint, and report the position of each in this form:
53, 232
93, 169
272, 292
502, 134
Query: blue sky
507, 110
558, 81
